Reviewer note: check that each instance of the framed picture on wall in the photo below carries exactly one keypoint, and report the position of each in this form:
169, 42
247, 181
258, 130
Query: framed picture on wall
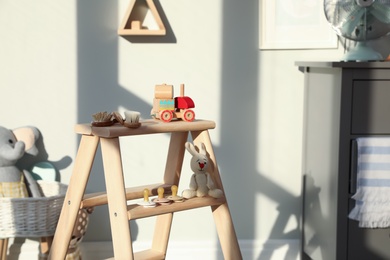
294, 24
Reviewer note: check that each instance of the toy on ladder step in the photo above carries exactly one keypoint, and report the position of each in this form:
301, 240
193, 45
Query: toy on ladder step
160, 200
166, 107
146, 202
131, 119
201, 183
174, 197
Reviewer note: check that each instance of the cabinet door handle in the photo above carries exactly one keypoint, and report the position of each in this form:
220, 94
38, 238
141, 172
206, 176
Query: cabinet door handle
353, 168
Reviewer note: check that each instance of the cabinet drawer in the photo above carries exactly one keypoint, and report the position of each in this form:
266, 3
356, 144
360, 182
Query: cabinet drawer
367, 243
371, 107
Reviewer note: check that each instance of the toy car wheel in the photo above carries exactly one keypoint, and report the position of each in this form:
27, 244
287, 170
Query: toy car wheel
166, 115
188, 115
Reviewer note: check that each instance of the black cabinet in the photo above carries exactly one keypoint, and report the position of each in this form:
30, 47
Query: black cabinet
343, 101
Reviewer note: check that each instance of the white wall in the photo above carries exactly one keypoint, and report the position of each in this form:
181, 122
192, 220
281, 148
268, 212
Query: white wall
61, 61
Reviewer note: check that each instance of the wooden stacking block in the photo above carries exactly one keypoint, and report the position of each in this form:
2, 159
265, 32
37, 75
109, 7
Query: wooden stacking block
163, 91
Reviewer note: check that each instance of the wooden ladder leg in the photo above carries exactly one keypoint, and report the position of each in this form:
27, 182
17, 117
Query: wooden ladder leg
161, 233
77, 184
171, 176
116, 196
3, 248
222, 218
226, 233
44, 246
175, 157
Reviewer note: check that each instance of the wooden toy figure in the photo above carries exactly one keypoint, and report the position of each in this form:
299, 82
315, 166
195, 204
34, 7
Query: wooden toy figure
166, 107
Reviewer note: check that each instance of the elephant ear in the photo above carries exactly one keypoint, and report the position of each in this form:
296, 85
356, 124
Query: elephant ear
29, 135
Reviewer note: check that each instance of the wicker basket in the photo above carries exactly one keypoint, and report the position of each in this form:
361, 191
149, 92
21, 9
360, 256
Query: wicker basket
32, 217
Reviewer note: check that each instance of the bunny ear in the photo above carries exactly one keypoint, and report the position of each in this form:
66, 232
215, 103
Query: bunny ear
191, 148
202, 149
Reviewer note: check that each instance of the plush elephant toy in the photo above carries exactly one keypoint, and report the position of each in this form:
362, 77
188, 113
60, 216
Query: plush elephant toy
15, 182
19, 150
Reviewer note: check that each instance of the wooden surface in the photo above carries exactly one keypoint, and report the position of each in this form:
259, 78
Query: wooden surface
149, 126
44, 246
3, 248
136, 211
140, 32
221, 213
116, 197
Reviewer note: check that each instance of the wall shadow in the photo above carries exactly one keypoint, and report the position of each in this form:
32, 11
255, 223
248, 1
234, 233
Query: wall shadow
99, 90
241, 59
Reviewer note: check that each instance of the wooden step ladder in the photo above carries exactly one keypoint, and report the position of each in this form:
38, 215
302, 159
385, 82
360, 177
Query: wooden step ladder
117, 195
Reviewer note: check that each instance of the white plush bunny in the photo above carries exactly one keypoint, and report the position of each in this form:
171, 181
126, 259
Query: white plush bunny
201, 183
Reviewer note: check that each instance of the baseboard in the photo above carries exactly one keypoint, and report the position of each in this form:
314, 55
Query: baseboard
275, 249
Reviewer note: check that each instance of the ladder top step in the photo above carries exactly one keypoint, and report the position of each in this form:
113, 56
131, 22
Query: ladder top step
149, 126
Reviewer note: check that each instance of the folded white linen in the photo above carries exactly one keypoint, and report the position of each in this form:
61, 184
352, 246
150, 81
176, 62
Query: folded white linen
372, 207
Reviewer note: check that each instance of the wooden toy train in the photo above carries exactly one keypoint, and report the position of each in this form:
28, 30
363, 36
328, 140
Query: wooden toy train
166, 107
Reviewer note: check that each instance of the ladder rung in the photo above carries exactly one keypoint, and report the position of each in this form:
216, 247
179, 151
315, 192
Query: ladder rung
149, 254
135, 211
100, 198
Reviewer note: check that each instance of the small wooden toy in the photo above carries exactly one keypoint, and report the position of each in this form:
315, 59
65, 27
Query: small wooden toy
146, 202
166, 107
161, 200
174, 197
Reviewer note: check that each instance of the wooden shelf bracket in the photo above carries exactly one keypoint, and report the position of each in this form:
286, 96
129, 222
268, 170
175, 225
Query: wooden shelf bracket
141, 18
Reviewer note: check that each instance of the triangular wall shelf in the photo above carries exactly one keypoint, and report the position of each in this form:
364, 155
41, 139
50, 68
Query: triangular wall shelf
141, 18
